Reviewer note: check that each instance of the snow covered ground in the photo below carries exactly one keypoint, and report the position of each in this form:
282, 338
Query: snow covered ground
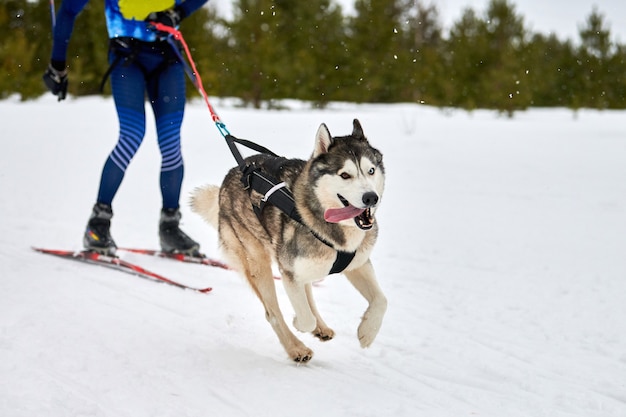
502, 253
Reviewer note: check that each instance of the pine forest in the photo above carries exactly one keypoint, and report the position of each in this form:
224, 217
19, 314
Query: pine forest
384, 52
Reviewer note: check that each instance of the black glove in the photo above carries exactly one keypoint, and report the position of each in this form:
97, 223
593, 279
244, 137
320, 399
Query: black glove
170, 17
56, 81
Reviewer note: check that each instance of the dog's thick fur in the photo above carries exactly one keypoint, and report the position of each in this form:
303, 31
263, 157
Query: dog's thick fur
344, 177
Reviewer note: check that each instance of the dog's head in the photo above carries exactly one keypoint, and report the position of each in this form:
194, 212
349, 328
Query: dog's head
349, 177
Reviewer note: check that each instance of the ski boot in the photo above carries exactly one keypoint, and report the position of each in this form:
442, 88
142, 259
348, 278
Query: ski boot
174, 240
97, 236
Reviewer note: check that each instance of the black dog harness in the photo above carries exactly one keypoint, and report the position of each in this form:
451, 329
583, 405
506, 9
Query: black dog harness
277, 194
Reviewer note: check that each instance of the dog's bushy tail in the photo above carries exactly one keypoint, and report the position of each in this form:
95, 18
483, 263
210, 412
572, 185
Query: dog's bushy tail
205, 202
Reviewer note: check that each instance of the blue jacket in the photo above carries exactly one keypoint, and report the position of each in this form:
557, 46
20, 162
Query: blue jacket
124, 18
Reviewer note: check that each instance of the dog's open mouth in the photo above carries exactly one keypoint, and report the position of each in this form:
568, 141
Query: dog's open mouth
362, 217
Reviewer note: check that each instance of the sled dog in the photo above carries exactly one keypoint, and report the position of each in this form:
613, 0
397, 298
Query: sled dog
335, 193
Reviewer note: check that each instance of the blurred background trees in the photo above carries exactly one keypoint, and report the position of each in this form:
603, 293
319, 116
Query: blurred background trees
392, 51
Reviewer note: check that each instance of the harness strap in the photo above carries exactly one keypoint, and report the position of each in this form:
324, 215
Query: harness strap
108, 72
253, 178
231, 141
126, 49
342, 261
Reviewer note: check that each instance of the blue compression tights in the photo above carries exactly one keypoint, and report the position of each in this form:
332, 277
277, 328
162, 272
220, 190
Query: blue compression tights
165, 88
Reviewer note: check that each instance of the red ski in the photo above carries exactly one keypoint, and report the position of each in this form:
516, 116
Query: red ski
201, 259
115, 262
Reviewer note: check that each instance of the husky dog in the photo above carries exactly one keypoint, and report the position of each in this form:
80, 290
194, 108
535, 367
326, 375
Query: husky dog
335, 193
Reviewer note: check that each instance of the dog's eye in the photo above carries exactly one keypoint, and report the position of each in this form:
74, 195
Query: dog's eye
371, 171
345, 175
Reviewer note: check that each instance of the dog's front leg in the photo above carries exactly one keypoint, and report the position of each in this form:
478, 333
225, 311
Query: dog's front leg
305, 319
364, 280
322, 331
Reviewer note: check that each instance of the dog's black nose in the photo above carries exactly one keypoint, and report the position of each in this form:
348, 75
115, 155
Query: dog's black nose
370, 198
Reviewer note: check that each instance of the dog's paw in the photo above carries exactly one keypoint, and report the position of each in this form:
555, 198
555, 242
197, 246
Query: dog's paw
366, 335
324, 334
368, 329
305, 325
301, 354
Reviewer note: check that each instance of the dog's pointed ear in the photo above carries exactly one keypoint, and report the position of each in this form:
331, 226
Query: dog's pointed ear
323, 140
357, 130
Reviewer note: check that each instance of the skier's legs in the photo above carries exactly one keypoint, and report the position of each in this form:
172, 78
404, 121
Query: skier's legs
166, 91
128, 87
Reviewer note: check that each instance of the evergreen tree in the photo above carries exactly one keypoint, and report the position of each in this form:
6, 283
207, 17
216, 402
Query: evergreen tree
617, 70
374, 46
595, 53
487, 59
552, 72
466, 61
254, 51
285, 49
422, 57
595, 35
25, 28
505, 80
87, 53
310, 34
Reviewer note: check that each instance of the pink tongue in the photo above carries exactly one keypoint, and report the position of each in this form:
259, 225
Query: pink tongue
335, 215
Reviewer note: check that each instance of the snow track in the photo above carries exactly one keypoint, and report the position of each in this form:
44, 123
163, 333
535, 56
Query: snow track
501, 253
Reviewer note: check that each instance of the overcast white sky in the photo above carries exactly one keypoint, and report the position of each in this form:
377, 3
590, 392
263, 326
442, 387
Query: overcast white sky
562, 17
